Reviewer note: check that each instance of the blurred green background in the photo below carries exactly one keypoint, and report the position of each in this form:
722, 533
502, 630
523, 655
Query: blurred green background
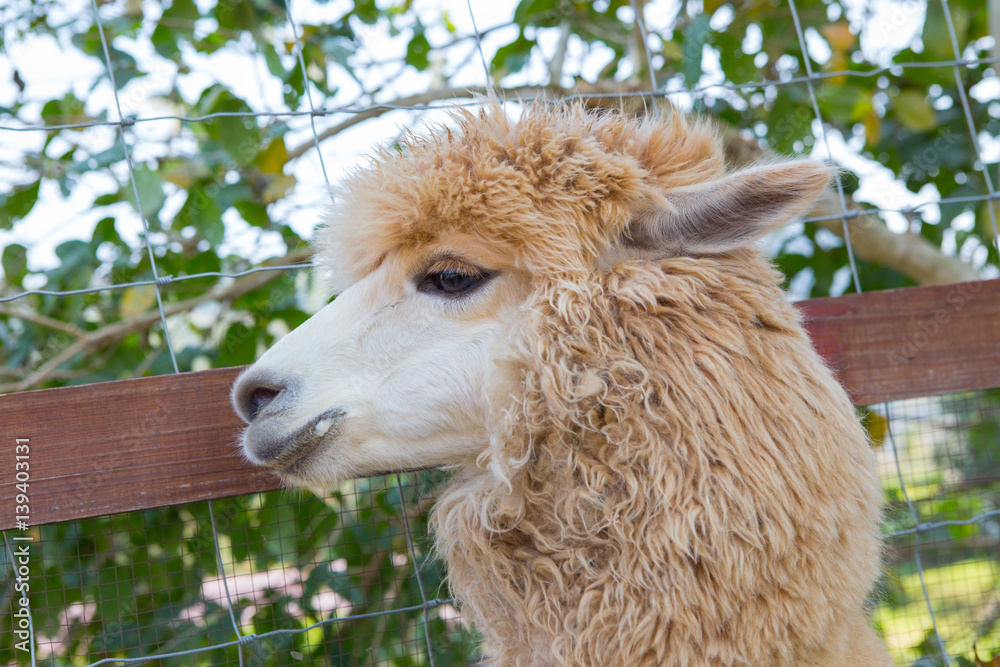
244, 187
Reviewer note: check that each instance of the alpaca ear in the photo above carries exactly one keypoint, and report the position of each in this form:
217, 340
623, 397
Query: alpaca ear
725, 214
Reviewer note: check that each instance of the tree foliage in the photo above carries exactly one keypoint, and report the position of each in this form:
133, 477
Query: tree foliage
221, 191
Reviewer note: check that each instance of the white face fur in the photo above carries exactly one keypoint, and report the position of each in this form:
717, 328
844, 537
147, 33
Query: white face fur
390, 376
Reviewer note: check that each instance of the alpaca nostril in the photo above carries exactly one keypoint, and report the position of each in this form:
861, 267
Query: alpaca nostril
251, 395
260, 397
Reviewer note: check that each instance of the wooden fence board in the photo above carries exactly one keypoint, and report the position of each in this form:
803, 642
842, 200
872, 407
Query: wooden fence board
120, 446
905, 343
135, 444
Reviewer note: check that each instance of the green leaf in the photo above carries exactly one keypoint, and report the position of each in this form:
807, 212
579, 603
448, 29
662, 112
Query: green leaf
694, 41
237, 15
277, 188
108, 157
419, 49
273, 61
64, 111
936, 36
985, 221
183, 10
151, 195
736, 64
164, 42
272, 159
845, 103
340, 49
240, 137
183, 173
790, 119
366, 10
105, 232
295, 89
914, 111
253, 213
74, 255
711, 6
18, 203
542, 13
137, 300
512, 57
123, 65
204, 262
15, 263
201, 212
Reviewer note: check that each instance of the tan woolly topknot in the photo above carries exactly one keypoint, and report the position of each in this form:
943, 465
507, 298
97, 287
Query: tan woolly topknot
673, 476
552, 188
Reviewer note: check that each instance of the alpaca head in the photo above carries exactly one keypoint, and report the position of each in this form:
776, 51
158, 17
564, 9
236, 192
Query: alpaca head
441, 247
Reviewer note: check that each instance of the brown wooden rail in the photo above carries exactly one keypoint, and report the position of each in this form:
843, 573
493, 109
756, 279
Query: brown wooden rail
119, 446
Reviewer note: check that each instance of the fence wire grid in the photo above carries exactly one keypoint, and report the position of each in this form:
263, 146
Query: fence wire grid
201, 576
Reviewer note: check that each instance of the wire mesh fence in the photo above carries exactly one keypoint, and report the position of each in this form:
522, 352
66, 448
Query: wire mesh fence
309, 580
270, 579
942, 541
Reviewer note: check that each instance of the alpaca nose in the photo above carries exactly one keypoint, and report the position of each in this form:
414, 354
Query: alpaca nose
253, 394
260, 397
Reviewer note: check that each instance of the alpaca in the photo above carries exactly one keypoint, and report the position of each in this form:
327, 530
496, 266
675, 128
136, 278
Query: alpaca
654, 467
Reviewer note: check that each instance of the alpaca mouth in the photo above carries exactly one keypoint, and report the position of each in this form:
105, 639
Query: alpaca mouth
290, 457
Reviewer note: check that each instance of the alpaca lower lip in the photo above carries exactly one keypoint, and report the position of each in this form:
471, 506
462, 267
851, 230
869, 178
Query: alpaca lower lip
306, 441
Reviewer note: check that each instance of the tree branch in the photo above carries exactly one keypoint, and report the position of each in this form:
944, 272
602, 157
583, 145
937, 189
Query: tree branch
42, 320
910, 254
559, 57
639, 47
94, 339
417, 100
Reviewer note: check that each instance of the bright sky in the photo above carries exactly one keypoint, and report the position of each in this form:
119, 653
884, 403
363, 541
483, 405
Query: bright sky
50, 70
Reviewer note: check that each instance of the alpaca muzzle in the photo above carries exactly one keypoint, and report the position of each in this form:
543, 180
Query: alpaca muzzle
267, 445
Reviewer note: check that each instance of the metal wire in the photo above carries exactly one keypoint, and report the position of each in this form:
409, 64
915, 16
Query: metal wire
161, 280
416, 568
973, 136
925, 527
169, 279
24, 600
479, 46
640, 21
857, 286
431, 604
810, 79
312, 122
305, 85
131, 175
826, 142
156, 279
916, 535
241, 639
354, 109
981, 165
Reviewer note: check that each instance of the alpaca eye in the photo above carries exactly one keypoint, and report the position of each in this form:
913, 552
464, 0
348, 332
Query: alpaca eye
450, 281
